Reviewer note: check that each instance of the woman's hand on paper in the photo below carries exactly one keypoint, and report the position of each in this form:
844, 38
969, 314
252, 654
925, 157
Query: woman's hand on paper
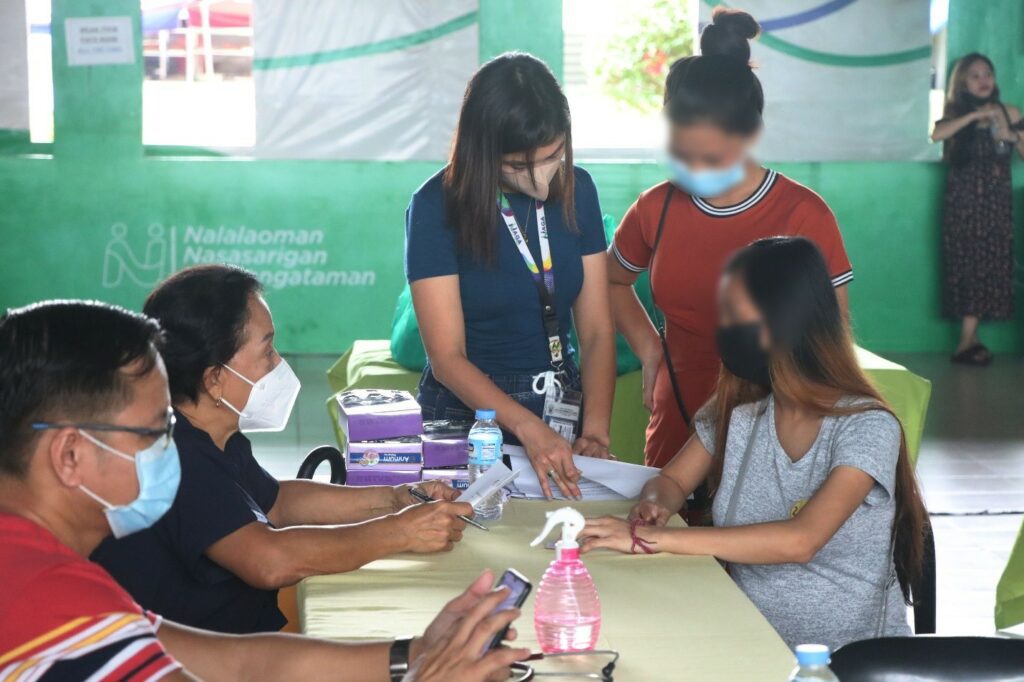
595, 446
551, 457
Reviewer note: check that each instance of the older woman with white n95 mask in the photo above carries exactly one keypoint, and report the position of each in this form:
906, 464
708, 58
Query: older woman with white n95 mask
234, 534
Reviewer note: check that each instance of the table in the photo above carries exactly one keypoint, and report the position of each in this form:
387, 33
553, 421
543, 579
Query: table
368, 364
671, 617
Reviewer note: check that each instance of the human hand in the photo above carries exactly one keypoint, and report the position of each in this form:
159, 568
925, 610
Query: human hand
551, 457
651, 513
595, 446
439, 490
431, 527
614, 533
453, 646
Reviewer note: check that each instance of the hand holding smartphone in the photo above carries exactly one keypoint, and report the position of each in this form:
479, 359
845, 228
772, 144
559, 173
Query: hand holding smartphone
518, 589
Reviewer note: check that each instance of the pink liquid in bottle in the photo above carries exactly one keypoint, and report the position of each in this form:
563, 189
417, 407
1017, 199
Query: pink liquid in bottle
566, 610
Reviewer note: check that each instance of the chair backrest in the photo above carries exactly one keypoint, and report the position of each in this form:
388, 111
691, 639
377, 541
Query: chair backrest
316, 457
935, 659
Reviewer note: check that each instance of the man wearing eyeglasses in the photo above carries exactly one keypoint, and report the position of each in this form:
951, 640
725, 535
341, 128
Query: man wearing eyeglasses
86, 451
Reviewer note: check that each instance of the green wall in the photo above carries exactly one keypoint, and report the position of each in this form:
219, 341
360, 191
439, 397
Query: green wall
61, 201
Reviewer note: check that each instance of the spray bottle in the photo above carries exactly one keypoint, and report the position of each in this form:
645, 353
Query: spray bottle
566, 611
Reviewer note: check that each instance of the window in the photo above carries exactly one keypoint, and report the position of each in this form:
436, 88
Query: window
617, 55
939, 18
198, 87
40, 71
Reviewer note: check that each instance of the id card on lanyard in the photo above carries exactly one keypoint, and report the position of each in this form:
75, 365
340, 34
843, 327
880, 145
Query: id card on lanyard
561, 407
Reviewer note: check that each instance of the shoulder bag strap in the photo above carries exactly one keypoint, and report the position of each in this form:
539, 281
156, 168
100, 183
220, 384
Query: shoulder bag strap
660, 326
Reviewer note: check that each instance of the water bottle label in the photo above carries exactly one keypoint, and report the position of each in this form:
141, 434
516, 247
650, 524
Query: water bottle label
484, 452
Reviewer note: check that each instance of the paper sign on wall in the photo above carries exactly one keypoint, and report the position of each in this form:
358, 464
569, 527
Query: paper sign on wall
99, 40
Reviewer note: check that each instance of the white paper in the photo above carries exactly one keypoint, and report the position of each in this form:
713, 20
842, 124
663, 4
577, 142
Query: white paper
602, 479
492, 480
99, 40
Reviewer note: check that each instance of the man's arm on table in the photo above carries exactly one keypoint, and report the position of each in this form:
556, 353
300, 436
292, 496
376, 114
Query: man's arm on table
213, 656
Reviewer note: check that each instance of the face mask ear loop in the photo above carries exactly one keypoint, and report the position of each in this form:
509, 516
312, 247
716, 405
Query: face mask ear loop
251, 383
100, 444
230, 406
97, 498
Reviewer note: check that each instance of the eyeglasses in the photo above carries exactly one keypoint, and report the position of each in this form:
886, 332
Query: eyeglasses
164, 435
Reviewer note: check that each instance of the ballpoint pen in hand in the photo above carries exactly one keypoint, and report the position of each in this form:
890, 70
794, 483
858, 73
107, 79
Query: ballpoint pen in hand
423, 497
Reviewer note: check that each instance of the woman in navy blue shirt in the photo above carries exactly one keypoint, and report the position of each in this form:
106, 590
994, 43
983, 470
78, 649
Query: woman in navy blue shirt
505, 255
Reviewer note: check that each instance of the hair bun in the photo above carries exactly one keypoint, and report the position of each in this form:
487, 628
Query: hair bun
729, 34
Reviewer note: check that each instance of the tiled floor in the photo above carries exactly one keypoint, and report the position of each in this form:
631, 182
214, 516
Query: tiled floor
971, 469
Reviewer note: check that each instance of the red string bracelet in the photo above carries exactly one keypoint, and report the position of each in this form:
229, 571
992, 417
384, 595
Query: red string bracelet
637, 540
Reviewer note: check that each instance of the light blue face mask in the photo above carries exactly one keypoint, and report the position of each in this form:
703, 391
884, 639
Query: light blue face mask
707, 183
159, 472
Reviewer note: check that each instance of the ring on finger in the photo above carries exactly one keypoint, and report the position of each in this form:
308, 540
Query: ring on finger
552, 474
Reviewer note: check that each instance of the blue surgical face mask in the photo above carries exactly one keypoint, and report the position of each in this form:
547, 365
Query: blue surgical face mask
159, 472
707, 183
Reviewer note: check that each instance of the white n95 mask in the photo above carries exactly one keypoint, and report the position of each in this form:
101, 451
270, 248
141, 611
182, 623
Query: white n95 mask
270, 401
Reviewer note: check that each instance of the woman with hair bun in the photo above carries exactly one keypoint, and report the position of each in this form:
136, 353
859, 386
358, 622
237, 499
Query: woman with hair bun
717, 200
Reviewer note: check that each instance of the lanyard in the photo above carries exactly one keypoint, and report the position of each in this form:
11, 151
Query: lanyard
543, 277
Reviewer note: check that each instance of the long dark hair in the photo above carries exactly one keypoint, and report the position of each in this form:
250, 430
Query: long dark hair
512, 104
718, 86
959, 102
812, 364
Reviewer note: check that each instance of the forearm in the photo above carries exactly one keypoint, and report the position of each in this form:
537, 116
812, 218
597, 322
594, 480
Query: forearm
302, 502
946, 129
597, 369
632, 321
216, 657
477, 391
777, 542
304, 551
664, 492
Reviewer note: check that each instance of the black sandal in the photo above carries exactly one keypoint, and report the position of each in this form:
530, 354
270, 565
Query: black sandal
975, 356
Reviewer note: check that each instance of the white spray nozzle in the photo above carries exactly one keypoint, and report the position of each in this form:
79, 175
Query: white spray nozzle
572, 523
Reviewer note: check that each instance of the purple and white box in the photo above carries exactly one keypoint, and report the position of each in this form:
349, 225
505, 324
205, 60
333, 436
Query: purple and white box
368, 476
445, 444
398, 454
456, 478
375, 414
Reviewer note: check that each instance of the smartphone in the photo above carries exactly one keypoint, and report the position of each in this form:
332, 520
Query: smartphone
518, 589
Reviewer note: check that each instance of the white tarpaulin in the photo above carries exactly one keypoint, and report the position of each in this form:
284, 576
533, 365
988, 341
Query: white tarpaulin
361, 79
844, 80
14, 72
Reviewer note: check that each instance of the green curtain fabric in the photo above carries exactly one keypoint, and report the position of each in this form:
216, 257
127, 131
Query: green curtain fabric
1010, 590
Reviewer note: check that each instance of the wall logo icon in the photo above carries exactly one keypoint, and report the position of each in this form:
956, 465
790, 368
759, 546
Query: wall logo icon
122, 263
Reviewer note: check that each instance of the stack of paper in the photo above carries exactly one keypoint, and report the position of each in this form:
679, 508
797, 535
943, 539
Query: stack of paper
602, 479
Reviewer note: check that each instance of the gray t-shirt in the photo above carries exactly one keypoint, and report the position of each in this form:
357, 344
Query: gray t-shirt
836, 597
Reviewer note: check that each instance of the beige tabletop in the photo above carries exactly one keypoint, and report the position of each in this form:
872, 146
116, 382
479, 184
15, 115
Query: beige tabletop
670, 617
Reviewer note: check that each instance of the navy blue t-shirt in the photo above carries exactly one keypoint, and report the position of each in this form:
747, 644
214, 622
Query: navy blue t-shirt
165, 568
500, 304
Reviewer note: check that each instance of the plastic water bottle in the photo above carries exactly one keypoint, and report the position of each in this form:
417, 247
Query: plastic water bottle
484, 452
566, 611
812, 664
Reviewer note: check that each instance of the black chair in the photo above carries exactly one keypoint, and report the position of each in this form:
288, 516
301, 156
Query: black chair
317, 456
924, 596
931, 659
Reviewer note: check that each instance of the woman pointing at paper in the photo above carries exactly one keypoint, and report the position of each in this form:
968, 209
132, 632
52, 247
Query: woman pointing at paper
505, 254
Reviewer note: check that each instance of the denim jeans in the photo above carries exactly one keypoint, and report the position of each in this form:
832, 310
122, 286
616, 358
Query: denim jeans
437, 402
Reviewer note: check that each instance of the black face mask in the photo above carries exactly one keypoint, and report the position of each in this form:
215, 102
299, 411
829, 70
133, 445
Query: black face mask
739, 345
975, 101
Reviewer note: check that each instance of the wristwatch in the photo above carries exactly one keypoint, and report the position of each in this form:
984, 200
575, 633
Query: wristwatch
398, 659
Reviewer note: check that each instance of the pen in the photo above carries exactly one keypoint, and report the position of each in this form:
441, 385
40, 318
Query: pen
423, 497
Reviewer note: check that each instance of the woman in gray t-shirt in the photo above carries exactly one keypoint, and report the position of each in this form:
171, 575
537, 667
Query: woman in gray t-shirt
816, 509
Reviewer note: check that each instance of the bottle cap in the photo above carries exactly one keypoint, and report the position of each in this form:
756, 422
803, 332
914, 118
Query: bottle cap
812, 654
485, 414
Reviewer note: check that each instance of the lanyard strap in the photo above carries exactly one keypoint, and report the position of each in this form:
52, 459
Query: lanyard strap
543, 277
741, 474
